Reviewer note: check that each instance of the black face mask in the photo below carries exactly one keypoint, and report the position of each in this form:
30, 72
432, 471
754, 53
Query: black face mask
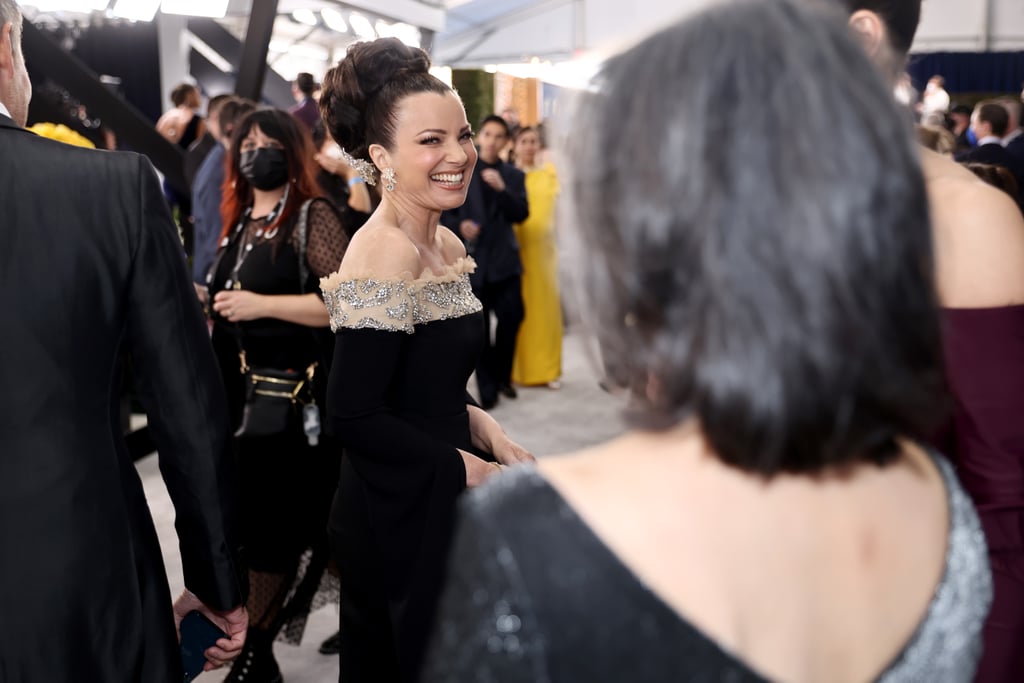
266, 168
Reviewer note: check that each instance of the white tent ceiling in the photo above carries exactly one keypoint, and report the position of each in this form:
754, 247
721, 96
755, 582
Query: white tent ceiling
480, 32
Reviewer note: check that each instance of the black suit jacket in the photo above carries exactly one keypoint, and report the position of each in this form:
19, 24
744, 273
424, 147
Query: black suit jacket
1016, 148
91, 264
196, 154
496, 250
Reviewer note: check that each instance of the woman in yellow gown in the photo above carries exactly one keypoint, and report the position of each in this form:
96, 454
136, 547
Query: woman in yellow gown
538, 357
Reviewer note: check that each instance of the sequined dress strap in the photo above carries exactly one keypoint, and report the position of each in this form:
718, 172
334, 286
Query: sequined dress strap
947, 644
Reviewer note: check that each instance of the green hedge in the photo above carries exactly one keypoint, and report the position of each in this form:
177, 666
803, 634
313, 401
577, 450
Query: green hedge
476, 88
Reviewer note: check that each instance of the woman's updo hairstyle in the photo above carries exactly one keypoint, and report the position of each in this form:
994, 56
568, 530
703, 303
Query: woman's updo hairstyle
360, 96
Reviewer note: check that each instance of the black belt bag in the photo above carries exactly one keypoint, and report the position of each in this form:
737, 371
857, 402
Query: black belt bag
274, 400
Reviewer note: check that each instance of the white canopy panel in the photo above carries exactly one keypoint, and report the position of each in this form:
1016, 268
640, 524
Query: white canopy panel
481, 32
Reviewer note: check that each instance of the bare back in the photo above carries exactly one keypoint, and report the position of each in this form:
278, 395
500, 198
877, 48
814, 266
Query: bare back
804, 579
978, 233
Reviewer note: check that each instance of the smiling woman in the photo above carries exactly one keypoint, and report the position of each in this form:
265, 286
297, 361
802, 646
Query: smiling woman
408, 332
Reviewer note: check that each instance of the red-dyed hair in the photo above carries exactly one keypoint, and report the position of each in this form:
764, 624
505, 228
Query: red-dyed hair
237, 196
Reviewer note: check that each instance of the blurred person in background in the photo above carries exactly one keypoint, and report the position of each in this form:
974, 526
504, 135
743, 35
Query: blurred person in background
538, 351
182, 126
990, 122
198, 150
495, 200
305, 108
978, 234
270, 324
960, 117
996, 176
935, 98
1013, 141
752, 525
937, 139
207, 190
342, 184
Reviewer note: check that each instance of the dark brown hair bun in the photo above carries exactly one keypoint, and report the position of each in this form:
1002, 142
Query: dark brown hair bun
361, 94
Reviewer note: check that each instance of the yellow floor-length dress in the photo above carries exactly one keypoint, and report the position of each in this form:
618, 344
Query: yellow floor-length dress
538, 358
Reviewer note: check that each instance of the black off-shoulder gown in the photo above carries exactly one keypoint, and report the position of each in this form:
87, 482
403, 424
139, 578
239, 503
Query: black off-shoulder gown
397, 401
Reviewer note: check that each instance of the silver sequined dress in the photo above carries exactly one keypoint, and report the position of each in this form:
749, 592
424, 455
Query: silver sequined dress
533, 596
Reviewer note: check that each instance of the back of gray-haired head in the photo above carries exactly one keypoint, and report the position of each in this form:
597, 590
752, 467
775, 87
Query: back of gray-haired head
770, 275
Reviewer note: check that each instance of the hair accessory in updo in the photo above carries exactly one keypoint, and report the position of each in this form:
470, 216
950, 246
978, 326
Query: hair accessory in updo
362, 94
366, 170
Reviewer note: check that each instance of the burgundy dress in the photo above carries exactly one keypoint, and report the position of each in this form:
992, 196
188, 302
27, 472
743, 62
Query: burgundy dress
985, 438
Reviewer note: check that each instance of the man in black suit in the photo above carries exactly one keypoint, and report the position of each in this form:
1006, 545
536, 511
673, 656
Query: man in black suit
496, 199
1014, 139
90, 265
990, 123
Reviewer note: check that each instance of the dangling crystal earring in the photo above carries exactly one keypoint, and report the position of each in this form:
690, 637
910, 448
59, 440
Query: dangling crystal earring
388, 176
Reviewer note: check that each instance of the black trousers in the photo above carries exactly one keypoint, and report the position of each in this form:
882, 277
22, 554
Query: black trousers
504, 298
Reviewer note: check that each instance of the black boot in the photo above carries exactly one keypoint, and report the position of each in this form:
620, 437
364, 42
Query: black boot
256, 663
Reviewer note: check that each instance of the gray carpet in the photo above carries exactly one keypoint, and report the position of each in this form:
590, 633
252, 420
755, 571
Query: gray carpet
545, 421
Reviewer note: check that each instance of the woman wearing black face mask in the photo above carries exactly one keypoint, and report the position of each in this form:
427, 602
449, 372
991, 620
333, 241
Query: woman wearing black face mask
280, 236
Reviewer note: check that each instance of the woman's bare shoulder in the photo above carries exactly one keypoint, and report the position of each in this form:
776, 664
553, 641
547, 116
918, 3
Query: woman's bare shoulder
382, 252
979, 238
454, 249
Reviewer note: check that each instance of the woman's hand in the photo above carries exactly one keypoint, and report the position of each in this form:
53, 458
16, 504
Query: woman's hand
331, 164
239, 305
477, 470
490, 437
508, 452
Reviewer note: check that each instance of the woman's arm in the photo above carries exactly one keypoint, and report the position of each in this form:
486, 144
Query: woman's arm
488, 436
359, 195
301, 309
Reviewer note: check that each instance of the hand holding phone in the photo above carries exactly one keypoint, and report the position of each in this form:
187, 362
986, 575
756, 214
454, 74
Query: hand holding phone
231, 624
198, 634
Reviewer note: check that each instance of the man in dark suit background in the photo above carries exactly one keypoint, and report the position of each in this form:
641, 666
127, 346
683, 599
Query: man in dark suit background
1013, 141
90, 263
496, 199
990, 123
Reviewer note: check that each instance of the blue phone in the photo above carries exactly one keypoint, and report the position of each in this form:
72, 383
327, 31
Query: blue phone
198, 634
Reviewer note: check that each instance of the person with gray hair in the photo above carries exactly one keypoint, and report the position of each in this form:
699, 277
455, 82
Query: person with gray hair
91, 268
771, 311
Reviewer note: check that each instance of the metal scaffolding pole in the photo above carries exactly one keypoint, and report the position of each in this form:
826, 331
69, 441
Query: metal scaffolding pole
253, 68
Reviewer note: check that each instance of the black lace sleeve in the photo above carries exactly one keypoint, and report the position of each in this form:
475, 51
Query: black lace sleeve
326, 239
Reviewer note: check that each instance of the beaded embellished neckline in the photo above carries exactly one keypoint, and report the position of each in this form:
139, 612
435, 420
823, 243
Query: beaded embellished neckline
400, 303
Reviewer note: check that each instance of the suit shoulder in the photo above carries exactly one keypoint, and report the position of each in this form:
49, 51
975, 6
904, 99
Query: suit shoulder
86, 159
